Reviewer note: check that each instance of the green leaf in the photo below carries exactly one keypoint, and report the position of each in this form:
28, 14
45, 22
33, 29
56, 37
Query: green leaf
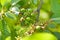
13, 32
57, 34
3, 28
56, 20
52, 27
8, 38
15, 1
46, 5
10, 18
3, 2
58, 28
0, 7
55, 7
0, 24
34, 1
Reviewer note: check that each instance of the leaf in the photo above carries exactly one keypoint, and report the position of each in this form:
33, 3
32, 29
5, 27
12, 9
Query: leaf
34, 2
3, 2
58, 28
57, 34
3, 29
55, 8
0, 7
13, 32
52, 27
46, 5
10, 18
0, 24
8, 38
14, 2
56, 20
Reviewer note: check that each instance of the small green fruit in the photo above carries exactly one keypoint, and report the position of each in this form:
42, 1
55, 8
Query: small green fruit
44, 15
41, 36
25, 38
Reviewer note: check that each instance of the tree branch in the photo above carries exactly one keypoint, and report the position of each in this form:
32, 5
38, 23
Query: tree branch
39, 8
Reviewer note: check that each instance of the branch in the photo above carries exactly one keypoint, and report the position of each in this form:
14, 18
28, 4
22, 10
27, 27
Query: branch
38, 9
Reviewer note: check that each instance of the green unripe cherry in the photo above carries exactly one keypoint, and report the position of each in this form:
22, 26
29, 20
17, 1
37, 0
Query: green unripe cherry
44, 16
41, 36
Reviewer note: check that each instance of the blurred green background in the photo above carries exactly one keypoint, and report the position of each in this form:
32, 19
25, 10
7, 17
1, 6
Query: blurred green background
21, 19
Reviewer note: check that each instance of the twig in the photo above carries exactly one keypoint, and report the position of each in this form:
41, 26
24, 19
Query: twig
39, 8
38, 11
